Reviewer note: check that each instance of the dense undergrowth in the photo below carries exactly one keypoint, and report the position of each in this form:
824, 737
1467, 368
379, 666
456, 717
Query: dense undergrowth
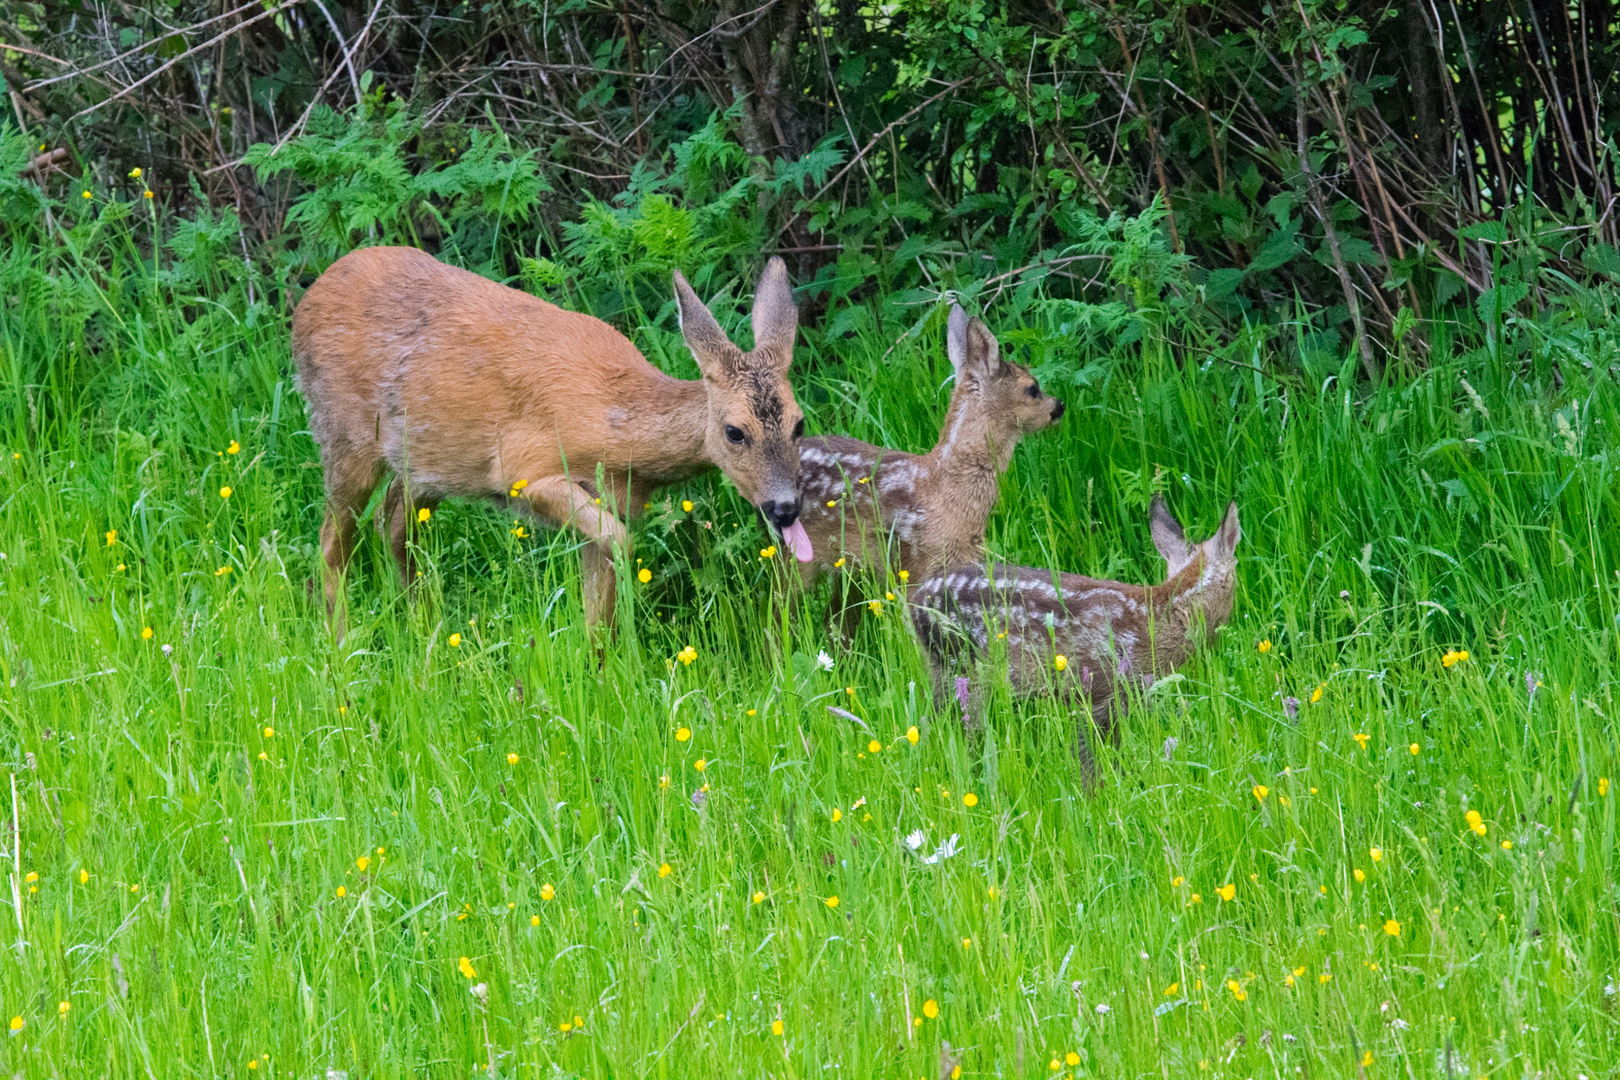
457, 846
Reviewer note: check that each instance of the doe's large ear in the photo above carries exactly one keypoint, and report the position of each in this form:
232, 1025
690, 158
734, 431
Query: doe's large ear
956, 338
709, 344
775, 316
1168, 537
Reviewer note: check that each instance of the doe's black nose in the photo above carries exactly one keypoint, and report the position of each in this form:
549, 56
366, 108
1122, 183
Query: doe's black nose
780, 514
1057, 411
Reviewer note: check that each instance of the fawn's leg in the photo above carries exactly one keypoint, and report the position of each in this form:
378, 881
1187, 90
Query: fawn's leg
560, 499
349, 481
399, 518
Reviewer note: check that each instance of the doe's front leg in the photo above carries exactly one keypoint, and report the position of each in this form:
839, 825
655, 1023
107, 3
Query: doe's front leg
562, 500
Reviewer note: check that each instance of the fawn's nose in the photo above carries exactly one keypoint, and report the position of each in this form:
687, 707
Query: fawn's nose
1057, 411
780, 514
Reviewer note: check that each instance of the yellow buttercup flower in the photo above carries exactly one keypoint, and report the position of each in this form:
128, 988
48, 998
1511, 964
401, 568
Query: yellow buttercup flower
873, 747
512, 759
912, 735
905, 575
839, 565
665, 870
1172, 989
1603, 786
1392, 928
269, 732
931, 1008
467, 970
1361, 739
547, 892
1060, 662
17, 1021
225, 492
234, 448
687, 655
682, 734
1316, 695
112, 537
1376, 853
644, 575
1415, 749
363, 863
423, 514
455, 641
342, 892
700, 764
135, 173
686, 505
146, 633
1264, 646
768, 552
759, 898
776, 1027
1227, 891
1453, 657
1360, 874
837, 815
1507, 845
1260, 792
831, 901
84, 876
970, 800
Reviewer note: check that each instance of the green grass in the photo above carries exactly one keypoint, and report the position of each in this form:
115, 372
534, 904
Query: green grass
189, 860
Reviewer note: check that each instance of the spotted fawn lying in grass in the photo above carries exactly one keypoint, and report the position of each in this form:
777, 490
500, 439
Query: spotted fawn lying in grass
1086, 640
917, 513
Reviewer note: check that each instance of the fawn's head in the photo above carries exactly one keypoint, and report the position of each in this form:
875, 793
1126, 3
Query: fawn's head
1215, 558
1007, 395
754, 422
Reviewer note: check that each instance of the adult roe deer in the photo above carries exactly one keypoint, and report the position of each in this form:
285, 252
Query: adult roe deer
919, 513
1109, 635
463, 387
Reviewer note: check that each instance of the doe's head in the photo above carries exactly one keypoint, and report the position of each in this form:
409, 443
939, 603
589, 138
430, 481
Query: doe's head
754, 422
1216, 557
1010, 396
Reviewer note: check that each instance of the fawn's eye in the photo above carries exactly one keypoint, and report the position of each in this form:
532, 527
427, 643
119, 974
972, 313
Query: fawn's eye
1032, 390
734, 434
798, 429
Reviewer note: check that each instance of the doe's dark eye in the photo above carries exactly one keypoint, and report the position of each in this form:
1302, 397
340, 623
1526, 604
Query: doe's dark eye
798, 429
734, 434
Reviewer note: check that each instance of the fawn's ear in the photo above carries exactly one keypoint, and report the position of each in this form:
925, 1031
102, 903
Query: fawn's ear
775, 316
956, 338
982, 352
1225, 541
714, 352
1168, 537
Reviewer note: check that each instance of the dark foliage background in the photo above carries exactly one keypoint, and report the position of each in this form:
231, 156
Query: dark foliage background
1354, 175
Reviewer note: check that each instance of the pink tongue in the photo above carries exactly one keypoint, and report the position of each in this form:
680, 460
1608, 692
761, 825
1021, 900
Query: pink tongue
796, 538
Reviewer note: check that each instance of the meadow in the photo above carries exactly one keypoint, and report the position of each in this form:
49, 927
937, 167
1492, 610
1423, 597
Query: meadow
1370, 832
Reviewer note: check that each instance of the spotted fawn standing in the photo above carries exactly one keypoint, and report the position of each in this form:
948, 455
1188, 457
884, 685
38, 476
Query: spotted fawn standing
1085, 640
918, 513
462, 387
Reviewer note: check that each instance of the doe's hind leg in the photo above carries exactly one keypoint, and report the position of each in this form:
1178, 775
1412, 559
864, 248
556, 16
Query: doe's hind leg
399, 518
349, 481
